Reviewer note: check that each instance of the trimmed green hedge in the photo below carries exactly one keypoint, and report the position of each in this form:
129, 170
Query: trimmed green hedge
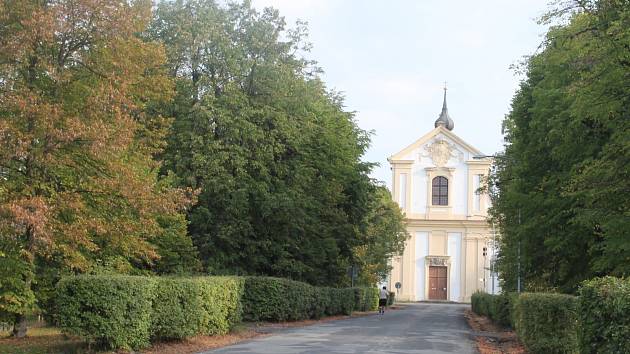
604, 314
547, 323
222, 300
338, 301
366, 299
112, 311
128, 312
178, 309
597, 321
499, 308
276, 299
480, 303
185, 307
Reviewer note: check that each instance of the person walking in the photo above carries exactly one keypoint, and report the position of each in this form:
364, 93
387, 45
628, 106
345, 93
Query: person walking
382, 300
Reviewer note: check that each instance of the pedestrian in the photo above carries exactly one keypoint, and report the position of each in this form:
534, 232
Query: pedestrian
382, 300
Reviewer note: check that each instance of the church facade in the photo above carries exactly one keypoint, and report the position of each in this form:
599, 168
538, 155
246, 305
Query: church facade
435, 181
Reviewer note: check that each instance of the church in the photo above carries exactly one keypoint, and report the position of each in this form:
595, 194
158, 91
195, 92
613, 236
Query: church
436, 182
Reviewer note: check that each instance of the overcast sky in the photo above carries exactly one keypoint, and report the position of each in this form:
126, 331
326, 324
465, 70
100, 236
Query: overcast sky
391, 58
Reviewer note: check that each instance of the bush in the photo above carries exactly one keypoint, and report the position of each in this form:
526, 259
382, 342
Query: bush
113, 311
337, 301
366, 299
497, 307
480, 303
500, 309
391, 298
185, 307
276, 299
546, 323
178, 309
222, 300
604, 315
128, 312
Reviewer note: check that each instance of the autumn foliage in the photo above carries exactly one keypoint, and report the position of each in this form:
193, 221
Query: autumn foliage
180, 138
77, 138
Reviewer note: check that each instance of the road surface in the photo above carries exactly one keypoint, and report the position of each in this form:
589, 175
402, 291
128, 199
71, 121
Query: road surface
417, 328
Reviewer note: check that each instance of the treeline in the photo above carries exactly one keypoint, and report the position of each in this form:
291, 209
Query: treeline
180, 138
561, 190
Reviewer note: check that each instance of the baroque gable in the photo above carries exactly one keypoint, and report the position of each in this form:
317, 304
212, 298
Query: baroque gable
439, 147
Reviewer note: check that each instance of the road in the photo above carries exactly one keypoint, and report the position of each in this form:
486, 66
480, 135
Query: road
417, 328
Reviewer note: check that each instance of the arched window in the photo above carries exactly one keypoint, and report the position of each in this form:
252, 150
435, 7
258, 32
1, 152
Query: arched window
440, 191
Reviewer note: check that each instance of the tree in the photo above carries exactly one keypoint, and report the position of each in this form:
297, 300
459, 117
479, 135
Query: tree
78, 183
283, 190
384, 238
561, 188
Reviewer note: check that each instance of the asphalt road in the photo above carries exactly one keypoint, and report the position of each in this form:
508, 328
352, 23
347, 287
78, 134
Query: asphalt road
418, 328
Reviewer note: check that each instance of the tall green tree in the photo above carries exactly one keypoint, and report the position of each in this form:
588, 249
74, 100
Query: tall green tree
562, 188
78, 183
383, 239
275, 155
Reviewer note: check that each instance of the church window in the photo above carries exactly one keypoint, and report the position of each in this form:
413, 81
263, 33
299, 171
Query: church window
440, 191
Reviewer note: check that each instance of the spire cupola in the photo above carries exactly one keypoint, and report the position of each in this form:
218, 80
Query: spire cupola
444, 119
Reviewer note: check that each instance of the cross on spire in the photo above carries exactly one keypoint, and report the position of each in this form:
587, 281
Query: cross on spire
444, 119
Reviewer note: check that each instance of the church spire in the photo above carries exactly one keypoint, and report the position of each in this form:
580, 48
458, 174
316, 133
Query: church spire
444, 119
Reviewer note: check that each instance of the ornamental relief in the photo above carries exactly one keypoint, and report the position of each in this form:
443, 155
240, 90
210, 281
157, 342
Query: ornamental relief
441, 151
437, 261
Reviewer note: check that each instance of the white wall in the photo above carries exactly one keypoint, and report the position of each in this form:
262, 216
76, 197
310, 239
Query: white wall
422, 250
454, 250
458, 185
419, 189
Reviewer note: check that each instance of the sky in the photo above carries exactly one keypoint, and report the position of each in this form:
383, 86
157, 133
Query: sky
391, 59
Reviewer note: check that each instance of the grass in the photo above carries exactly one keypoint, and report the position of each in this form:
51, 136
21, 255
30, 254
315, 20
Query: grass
41, 340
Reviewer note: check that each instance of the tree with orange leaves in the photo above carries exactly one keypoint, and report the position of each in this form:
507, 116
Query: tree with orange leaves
78, 180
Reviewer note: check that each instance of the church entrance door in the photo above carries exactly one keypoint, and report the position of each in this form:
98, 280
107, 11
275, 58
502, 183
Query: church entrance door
437, 283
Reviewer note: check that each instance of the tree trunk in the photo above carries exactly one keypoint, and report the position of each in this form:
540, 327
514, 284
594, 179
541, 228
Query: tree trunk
19, 328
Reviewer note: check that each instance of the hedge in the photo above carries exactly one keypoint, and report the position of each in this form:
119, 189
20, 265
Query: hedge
222, 300
184, 307
604, 316
338, 301
178, 309
546, 322
366, 299
391, 298
112, 311
128, 312
498, 308
276, 299
480, 303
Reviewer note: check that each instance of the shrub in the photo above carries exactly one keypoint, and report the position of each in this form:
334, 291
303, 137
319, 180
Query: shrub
481, 303
222, 300
113, 311
344, 298
546, 323
127, 312
275, 299
604, 314
333, 301
366, 299
501, 310
178, 308
391, 298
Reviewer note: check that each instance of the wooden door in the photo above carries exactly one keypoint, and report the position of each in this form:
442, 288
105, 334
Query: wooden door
437, 283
